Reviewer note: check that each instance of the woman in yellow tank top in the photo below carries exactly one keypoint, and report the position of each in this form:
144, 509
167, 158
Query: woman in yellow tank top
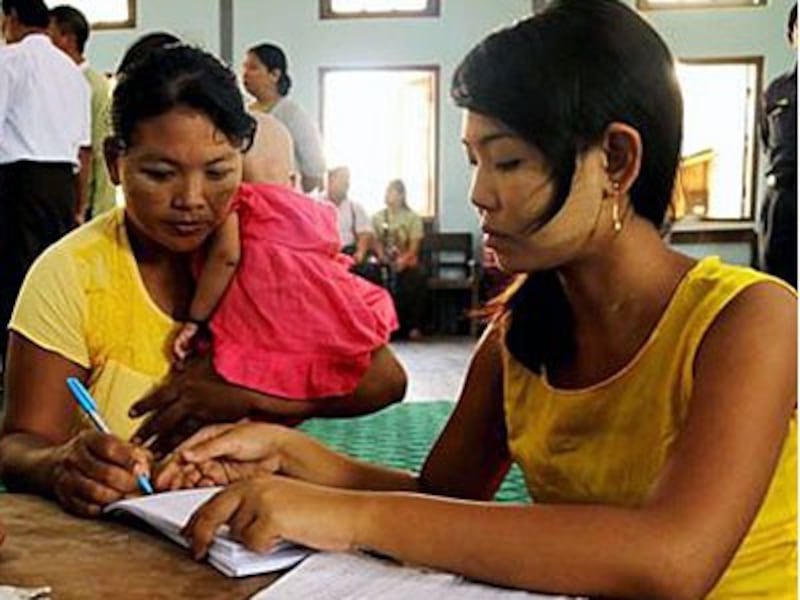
648, 398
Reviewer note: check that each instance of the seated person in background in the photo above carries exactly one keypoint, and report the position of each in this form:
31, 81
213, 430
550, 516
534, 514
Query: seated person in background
355, 231
399, 232
649, 398
105, 303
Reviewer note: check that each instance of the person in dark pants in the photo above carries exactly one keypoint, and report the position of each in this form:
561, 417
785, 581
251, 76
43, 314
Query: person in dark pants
779, 136
399, 233
45, 145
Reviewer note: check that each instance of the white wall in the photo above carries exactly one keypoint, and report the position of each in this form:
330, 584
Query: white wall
311, 43
731, 33
194, 20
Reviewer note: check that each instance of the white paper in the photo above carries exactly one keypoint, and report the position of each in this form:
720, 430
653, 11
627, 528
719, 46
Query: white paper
168, 512
338, 576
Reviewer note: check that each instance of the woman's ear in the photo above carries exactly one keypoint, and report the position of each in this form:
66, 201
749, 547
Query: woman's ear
622, 146
112, 148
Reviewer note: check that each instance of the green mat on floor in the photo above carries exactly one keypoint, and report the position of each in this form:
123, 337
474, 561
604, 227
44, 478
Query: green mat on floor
400, 436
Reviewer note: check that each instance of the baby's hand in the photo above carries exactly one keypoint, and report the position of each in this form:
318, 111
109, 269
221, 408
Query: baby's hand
182, 346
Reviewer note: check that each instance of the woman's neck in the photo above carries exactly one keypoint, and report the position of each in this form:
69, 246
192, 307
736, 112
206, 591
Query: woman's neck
618, 296
166, 275
148, 252
266, 99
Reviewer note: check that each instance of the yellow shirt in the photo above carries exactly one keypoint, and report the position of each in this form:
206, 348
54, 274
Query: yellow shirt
608, 443
400, 227
85, 300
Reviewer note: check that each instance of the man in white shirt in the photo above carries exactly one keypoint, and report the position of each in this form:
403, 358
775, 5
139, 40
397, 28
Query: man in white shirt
44, 124
355, 230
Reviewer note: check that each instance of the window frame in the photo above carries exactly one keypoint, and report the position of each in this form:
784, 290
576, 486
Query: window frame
655, 5
433, 9
436, 71
758, 62
129, 23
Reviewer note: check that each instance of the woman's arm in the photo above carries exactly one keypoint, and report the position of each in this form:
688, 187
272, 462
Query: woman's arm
682, 539
410, 258
37, 450
469, 459
676, 545
197, 396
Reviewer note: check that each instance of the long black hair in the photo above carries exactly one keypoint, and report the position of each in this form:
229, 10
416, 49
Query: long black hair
558, 79
180, 75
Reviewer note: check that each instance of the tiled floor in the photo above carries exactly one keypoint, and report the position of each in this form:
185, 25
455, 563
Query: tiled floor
436, 366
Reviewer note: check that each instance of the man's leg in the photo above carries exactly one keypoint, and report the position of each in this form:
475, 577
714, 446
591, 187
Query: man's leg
38, 201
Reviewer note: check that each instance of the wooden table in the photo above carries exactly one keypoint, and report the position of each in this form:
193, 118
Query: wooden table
80, 558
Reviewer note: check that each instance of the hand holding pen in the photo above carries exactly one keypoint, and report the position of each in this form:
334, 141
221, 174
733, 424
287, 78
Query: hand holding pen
95, 468
89, 406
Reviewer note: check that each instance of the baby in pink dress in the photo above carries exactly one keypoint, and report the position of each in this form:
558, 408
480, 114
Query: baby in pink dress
286, 316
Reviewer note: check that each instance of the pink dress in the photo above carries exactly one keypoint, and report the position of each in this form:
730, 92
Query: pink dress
295, 322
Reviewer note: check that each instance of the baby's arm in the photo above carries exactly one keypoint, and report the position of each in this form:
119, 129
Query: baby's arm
223, 258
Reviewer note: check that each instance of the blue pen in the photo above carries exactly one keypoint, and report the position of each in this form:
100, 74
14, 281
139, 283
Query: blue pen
89, 406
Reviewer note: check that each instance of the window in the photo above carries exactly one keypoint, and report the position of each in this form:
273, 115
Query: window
382, 124
681, 4
104, 14
345, 9
718, 165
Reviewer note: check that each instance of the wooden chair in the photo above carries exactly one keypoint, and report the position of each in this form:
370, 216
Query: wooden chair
452, 281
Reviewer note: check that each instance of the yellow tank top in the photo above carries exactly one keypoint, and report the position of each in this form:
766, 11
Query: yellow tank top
85, 300
592, 444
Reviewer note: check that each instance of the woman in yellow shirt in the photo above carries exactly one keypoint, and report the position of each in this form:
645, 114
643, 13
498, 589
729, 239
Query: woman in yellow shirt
648, 398
104, 303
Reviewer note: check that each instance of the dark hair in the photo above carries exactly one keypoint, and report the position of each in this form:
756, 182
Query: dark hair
180, 75
143, 46
70, 20
790, 24
272, 57
558, 80
398, 186
32, 13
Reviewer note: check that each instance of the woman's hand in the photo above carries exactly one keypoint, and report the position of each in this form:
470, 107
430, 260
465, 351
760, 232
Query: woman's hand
189, 399
223, 454
94, 469
266, 510
406, 261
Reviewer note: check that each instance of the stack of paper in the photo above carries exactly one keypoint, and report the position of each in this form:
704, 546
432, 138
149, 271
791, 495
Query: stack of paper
340, 576
168, 512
